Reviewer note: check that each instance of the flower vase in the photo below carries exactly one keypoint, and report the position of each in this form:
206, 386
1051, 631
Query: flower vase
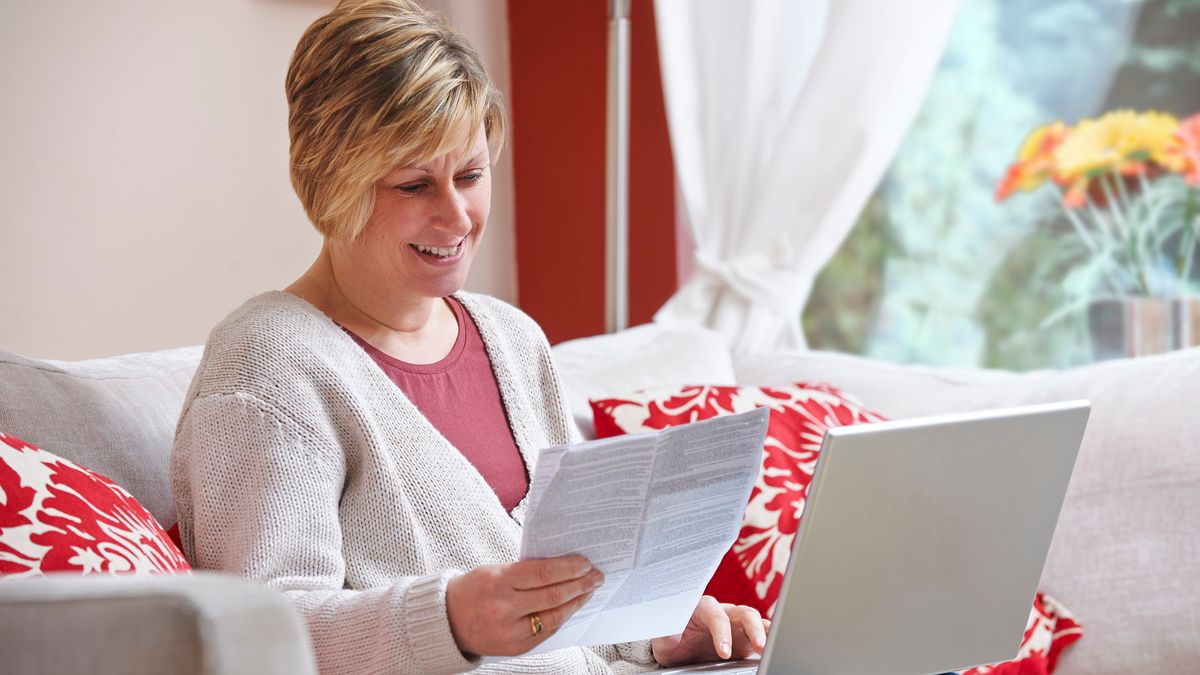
1141, 325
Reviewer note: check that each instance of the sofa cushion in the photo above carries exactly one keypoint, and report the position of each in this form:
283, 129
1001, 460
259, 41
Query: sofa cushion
751, 573
644, 356
60, 517
116, 416
1126, 553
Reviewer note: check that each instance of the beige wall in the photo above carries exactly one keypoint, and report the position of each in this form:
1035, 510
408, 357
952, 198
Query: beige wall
144, 168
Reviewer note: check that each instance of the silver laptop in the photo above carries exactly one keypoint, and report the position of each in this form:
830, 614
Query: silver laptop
922, 543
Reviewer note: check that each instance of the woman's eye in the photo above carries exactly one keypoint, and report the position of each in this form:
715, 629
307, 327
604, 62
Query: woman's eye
411, 188
472, 177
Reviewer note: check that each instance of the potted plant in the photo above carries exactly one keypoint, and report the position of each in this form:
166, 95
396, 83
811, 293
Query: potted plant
1129, 185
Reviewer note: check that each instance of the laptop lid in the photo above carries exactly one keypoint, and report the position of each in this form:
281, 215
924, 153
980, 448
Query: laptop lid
923, 541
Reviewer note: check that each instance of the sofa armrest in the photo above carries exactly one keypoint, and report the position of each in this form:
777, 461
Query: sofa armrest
204, 623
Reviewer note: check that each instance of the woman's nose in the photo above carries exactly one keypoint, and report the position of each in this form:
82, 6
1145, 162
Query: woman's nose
452, 213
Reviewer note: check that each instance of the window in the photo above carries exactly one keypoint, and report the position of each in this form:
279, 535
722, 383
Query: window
935, 270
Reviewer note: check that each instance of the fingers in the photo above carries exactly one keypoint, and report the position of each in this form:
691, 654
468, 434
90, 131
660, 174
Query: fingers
491, 608
715, 631
549, 597
749, 630
553, 618
530, 574
553, 589
710, 614
555, 604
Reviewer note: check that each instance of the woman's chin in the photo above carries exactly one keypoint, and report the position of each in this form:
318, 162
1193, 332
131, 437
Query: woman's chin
440, 288
433, 282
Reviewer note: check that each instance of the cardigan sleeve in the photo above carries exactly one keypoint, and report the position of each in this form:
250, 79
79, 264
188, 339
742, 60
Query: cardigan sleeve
258, 497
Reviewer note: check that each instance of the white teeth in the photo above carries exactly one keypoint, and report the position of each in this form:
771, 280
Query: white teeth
439, 252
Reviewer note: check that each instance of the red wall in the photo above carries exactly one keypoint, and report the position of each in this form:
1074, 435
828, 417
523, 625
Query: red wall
557, 107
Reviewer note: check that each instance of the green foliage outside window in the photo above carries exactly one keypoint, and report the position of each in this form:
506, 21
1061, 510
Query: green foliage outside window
935, 271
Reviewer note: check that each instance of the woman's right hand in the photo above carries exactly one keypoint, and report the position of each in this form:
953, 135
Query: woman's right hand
490, 607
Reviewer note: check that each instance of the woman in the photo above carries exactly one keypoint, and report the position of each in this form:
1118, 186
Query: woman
363, 440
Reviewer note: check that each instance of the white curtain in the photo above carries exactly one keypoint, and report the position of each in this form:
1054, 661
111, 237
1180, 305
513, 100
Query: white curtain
783, 116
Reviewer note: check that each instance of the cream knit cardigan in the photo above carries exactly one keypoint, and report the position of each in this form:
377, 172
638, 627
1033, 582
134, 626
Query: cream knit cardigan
297, 463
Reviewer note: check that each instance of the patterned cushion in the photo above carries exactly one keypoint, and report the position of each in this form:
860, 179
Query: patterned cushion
58, 517
1049, 630
751, 572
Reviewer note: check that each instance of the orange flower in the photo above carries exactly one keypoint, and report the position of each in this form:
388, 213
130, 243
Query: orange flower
1183, 150
1035, 160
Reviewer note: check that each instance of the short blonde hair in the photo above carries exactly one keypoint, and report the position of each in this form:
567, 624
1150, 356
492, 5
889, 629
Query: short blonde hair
373, 84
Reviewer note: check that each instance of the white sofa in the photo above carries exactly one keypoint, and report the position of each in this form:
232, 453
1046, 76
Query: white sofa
1125, 558
1126, 554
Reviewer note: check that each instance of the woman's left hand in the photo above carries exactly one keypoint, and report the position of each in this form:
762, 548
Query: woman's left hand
715, 631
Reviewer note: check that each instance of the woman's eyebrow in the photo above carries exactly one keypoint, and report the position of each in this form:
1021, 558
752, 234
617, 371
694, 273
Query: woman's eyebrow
424, 168
476, 159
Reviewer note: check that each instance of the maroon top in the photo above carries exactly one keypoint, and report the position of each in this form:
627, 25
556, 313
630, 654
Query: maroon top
459, 395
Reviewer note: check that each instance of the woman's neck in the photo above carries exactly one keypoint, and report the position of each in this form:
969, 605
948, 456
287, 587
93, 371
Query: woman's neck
410, 328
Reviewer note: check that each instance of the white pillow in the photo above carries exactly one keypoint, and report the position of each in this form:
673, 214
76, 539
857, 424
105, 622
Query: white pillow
115, 416
644, 356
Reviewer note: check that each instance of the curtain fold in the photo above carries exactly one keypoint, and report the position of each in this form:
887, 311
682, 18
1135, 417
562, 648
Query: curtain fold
783, 116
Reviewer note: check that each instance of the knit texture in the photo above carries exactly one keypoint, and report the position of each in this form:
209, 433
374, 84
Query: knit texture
297, 463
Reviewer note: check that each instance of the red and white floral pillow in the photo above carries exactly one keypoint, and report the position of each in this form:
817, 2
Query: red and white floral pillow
58, 517
1051, 629
751, 573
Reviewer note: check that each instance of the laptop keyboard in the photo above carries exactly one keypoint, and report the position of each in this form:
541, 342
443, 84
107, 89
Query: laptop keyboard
723, 667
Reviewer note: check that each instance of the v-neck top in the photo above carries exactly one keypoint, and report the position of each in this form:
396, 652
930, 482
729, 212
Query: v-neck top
297, 463
458, 394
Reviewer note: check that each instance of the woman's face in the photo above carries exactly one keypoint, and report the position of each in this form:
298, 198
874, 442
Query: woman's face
427, 223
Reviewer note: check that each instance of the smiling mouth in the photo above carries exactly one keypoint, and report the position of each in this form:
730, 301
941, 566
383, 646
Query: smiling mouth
438, 251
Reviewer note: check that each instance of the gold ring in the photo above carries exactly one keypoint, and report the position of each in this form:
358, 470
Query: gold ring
535, 624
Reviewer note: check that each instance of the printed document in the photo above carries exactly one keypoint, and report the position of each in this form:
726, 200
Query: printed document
655, 512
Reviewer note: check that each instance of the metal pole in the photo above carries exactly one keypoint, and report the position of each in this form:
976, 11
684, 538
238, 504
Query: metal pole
616, 313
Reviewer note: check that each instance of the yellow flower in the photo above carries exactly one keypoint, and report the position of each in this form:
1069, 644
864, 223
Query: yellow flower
1151, 136
1116, 141
1122, 141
